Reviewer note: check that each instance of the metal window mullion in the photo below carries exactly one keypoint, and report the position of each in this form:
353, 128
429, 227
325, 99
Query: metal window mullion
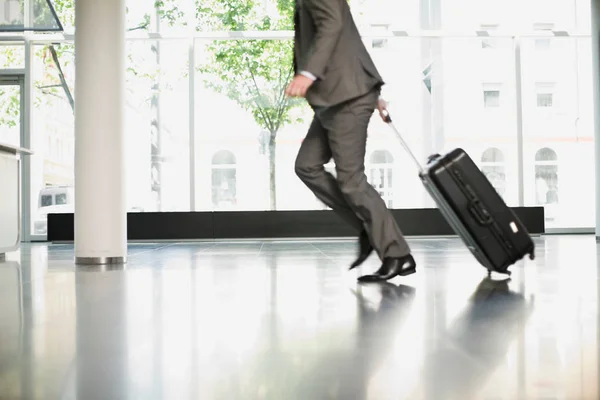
191, 22
27, 14
519, 110
192, 121
26, 140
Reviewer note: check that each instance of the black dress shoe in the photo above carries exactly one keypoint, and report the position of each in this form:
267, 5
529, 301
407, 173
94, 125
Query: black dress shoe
391, 268
365, 249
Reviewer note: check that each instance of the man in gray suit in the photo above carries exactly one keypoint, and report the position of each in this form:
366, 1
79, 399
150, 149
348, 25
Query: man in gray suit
336, 75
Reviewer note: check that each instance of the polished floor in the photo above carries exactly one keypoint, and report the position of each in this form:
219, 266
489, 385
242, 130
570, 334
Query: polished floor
285, 320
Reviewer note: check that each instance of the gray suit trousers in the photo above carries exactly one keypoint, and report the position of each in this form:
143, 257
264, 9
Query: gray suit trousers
340, 132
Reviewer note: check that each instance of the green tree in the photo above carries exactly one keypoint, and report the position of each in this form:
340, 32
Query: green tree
255, 73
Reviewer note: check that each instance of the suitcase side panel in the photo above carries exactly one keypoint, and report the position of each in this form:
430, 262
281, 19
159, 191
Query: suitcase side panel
494, 230
503, 221
448, 211
454, 204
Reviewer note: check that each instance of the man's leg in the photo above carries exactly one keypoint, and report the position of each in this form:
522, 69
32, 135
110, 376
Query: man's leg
346, 126
314, 153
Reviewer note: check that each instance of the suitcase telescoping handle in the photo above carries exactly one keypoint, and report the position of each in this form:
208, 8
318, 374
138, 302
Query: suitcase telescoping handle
388, 119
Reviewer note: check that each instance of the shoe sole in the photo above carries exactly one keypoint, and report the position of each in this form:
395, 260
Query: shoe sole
375, 278
408, 271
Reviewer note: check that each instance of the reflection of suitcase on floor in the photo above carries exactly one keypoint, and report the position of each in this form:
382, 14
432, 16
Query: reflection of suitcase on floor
474, 209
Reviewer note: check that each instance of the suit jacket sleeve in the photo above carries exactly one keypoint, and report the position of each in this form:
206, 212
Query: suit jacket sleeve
327, 16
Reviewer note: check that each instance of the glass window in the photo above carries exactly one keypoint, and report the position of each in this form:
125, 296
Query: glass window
175, 16
380, 176
65, 10
12, 56
46, 200
546, 181
61, 198
558, 131
39, 16
10, 113
544, 100
164, 16
157, 126
544, 94
237, 108
543, 44
477, 110
240, 107
224, 180
224, 157
488, 43
491, 98
381, 157
492, 156
494, 168
400, 14
379, 29
449, 93
52, 170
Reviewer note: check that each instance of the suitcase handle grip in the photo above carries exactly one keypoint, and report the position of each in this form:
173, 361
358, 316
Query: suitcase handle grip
388, 119
386, 116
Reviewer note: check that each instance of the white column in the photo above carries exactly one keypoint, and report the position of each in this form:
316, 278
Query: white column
596, 89
100, 210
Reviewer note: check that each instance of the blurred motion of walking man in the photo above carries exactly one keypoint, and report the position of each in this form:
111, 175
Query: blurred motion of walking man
336, 75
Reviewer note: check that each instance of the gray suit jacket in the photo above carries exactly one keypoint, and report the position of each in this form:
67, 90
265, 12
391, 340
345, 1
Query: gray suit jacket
327, 44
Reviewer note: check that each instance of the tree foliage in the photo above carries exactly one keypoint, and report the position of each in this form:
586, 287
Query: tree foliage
9, 108
254, 73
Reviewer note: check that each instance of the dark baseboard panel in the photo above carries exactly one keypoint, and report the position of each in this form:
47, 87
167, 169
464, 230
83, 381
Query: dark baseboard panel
270, 224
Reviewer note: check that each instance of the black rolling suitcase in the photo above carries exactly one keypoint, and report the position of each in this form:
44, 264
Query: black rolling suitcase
474, 209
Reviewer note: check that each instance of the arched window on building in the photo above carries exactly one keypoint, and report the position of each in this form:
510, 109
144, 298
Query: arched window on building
546, 177
224, 180
380, 172
493, 167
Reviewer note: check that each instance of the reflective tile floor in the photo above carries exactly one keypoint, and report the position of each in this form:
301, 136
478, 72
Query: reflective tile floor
285, 320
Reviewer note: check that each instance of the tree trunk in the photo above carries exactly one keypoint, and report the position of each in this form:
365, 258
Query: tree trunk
61, 76
272, 171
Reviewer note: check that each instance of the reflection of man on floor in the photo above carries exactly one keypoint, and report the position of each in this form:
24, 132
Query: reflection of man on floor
336, 75
475, 344
345, 371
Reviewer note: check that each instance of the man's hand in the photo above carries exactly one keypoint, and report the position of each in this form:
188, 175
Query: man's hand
382, 107
298, 86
